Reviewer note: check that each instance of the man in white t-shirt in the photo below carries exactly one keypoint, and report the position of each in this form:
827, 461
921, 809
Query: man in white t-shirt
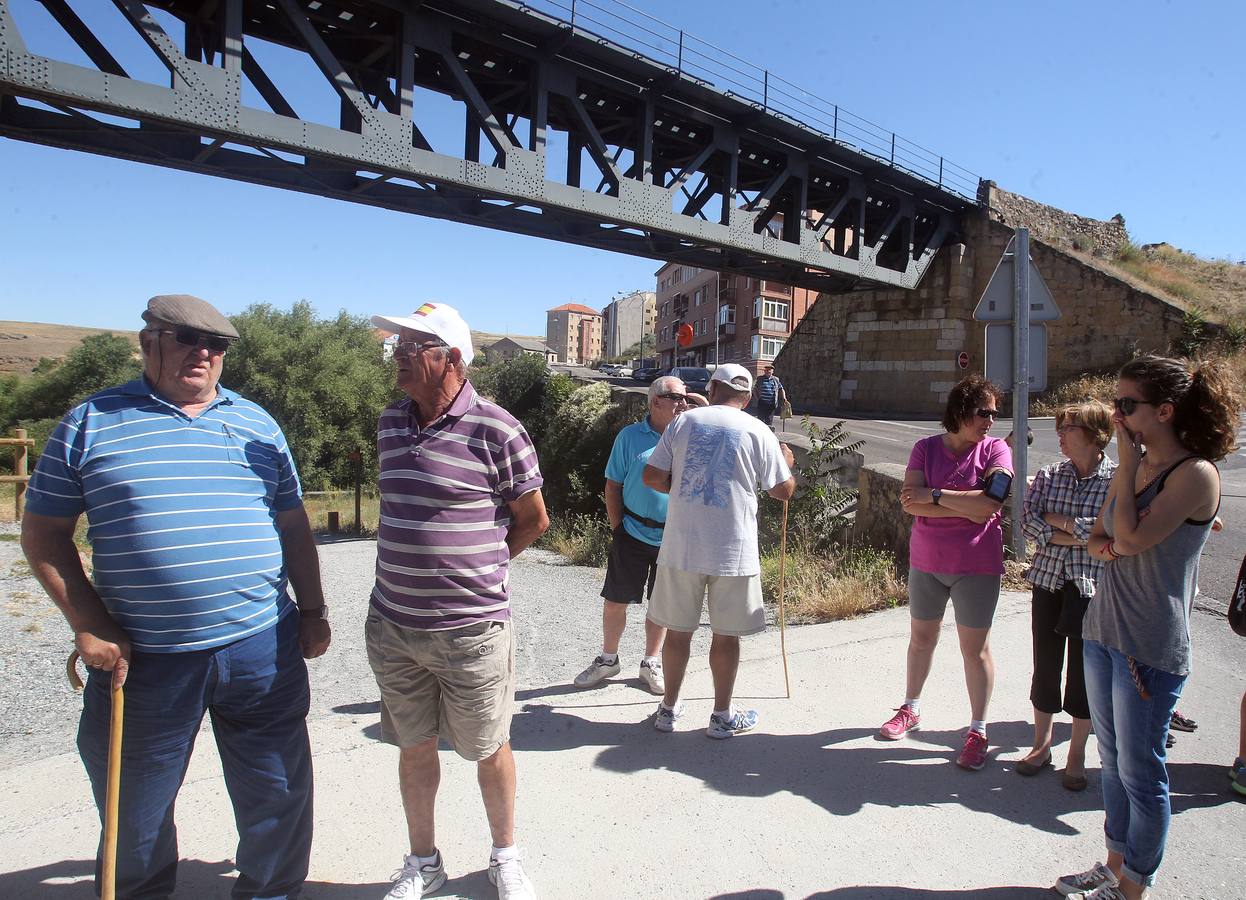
711, 462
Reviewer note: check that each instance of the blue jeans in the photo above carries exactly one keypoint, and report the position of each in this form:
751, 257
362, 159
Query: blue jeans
1131, 734
256, 692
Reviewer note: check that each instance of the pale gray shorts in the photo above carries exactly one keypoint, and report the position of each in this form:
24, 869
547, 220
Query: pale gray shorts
974, 597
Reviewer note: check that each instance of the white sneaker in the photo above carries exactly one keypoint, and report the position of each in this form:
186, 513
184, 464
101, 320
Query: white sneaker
666, 718
598, 671
1106, 892
651, 675
511, 882
1085, 882
413, 880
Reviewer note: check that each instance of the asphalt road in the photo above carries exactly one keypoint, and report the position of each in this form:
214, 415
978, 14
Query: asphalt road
890, 441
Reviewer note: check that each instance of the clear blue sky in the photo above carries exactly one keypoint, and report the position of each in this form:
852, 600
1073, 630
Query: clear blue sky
1096, 107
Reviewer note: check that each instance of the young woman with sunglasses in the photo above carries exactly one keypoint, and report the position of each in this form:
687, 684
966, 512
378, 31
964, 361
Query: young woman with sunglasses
1173, 422
1061, 506
956, 551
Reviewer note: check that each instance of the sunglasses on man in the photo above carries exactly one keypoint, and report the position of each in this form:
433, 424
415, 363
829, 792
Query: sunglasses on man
193, 337
675, 397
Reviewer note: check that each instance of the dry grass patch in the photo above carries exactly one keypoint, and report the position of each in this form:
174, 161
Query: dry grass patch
582, 539
823, 588
319, 506
1084, 387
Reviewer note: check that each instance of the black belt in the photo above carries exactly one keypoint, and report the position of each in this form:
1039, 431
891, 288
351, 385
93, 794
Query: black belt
643, 520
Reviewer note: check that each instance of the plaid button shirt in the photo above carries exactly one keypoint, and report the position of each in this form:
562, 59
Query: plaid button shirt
1058, 489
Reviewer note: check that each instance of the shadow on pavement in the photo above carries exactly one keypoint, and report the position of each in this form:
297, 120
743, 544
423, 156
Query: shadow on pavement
841, 779
71, 880
883, 892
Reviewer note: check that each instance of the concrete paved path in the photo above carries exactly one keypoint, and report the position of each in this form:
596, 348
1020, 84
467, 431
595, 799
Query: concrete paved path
811, 805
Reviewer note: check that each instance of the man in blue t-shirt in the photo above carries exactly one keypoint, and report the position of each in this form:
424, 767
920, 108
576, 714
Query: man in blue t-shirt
196, 524
637, 516
768, 394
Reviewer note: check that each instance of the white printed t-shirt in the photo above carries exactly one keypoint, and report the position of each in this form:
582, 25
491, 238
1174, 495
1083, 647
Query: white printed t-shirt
718, 456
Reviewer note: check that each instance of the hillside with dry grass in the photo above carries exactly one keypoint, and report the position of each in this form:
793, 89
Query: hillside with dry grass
1216, 287
23, 344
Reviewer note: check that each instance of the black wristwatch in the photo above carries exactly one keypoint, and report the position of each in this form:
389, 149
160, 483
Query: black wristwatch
935, 494
319, 612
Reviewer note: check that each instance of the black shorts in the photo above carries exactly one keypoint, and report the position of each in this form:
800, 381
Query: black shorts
630, 571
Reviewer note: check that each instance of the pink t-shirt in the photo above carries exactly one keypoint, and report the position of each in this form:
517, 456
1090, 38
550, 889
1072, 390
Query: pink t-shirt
956, 546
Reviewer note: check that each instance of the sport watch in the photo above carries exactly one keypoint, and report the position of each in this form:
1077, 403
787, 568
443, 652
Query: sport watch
935, 494
320, 612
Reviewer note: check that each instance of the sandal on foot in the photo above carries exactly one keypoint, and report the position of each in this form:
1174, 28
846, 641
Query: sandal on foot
1026, 768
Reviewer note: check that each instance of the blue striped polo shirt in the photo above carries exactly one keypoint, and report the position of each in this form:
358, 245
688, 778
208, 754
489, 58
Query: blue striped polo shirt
441, 554
181, 512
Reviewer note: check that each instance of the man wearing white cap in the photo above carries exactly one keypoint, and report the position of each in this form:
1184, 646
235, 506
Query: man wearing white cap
711, 461
460, 497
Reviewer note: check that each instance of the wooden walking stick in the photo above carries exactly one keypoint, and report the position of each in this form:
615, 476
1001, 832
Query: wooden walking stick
108, 876
787, 685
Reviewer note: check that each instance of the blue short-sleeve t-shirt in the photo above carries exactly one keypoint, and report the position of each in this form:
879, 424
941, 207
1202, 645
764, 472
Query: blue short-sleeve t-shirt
181, 512
632, 448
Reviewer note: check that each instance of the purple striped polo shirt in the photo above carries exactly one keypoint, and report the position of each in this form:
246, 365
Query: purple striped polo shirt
441, 554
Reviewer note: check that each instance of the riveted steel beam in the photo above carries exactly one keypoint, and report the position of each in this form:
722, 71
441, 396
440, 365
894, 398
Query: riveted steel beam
676, 168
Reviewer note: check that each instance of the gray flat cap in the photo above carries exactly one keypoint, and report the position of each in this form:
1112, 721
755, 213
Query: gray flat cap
183, 309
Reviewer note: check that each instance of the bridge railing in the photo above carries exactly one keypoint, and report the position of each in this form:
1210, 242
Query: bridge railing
690, 56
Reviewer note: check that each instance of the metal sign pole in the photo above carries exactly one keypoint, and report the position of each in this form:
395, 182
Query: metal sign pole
1020, 384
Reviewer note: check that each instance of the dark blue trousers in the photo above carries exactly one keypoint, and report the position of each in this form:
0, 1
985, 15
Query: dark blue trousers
257, 694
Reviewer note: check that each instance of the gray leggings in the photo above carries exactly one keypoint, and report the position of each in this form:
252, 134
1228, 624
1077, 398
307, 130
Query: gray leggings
974, 597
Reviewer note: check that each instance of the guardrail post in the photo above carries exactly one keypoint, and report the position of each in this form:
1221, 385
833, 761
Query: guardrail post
679, 67
765, 89
940, 171
835, 127
20, 452
893, 148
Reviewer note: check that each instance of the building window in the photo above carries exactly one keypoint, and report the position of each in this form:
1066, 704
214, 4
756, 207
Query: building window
726, 315
696, 298
766, 347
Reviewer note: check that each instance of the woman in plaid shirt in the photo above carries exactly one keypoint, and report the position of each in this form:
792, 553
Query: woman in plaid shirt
1060, 510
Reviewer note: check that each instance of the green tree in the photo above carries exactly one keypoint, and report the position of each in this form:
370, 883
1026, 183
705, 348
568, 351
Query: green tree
56, 386
323, 380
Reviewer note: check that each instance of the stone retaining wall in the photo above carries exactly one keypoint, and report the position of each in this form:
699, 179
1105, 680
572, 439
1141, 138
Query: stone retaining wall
1051, 225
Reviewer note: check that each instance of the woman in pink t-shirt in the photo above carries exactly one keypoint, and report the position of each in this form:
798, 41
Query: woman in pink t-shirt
956, 551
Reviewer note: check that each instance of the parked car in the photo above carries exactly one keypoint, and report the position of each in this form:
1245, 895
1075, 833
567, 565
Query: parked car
623, 371
646, 374
609, 369
695, 378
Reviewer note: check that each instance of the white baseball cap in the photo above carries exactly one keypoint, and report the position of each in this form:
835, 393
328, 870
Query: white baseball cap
734, 376
434, 318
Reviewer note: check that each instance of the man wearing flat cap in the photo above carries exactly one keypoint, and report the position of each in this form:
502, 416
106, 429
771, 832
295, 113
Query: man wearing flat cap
460, 497
197, 528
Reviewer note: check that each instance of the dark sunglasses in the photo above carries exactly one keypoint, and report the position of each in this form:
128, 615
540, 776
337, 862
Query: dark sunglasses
1127, 406
193, 337
674, 397
987, 413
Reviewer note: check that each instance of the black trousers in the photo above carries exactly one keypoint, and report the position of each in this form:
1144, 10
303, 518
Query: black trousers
1049, 653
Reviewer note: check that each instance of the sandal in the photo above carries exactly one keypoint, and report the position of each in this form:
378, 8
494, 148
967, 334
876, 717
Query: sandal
1182, 723
1028, 768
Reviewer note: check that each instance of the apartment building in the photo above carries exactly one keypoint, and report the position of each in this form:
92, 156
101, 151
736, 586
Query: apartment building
733, 318
629, 321
573, 332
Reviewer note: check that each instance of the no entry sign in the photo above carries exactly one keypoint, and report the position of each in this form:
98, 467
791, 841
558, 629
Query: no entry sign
962, 360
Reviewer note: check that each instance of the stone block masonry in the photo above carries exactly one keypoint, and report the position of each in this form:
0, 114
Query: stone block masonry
894, 352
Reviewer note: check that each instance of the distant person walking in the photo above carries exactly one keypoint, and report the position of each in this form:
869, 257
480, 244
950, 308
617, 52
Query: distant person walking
768, 395
1173, 422
954, 487
637, 517
712, 461
1060, 510
460, 497
195, 516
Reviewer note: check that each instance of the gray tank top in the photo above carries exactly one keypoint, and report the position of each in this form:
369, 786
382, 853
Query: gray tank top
1142, 603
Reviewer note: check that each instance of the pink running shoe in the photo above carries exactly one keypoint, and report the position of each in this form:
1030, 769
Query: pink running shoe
904, 721
973, 756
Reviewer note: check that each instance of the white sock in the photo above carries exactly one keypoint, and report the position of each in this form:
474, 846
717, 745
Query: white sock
723, 713
421, 861
978, 725
914, 704
662, 703
502, 854
652, 661
609, 658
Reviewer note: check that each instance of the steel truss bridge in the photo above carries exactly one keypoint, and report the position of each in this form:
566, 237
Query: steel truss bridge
556, 127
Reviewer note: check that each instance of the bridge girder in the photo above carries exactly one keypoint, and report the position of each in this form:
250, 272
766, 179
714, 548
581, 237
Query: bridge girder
565, 136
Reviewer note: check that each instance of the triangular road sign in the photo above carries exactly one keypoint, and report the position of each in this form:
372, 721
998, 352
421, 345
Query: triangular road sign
996, 303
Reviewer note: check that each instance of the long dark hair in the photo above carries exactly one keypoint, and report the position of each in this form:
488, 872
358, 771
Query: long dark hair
963, 400
1206, 405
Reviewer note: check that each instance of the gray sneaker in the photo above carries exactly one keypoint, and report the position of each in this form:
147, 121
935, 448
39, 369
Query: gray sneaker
414, 880
1085, 882
666, 718
651, 676
598, 671
741, 720
511, 881
1106, 892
